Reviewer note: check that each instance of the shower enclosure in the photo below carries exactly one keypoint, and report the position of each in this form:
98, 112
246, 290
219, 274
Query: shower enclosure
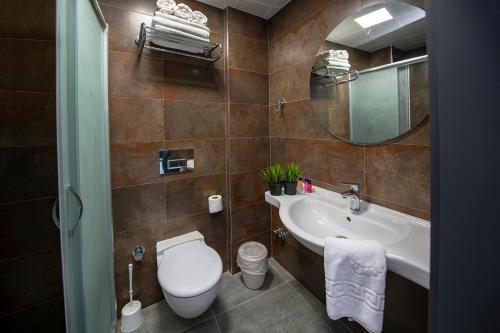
83, 209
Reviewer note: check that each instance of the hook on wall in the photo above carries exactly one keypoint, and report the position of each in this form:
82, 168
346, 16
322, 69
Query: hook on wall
281, 105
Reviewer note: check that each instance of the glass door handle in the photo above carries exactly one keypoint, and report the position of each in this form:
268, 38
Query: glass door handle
55, 209
55, 217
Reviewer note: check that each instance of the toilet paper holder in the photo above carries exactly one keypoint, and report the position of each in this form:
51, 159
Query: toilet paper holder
215, 204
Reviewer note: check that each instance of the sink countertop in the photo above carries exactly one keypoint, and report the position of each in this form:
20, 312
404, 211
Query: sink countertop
311, 217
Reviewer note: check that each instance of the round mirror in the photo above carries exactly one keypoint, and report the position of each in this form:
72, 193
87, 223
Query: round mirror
369, 80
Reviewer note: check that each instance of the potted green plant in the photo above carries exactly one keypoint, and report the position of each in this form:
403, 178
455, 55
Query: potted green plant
274, 176
291, 175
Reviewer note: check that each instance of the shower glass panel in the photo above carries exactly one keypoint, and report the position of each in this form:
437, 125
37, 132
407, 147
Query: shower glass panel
381, 96
83, 160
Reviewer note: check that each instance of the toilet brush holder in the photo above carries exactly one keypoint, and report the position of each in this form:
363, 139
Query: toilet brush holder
132, 317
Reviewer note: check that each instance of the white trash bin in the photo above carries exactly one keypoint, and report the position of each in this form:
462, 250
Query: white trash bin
252, 260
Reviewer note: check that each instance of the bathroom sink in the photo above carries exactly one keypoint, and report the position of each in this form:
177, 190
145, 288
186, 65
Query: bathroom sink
312, 217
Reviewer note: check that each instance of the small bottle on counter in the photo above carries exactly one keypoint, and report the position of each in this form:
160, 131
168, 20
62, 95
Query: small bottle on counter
308, 185
300, 186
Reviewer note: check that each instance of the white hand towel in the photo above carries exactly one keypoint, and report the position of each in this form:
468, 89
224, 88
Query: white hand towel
166, 6
199, 17
178, 33
178, 45
179, 20
183, 11
339, 64
355, 281
167, 22
344, 61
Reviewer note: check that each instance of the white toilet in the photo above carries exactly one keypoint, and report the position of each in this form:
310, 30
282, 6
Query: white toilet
189, 272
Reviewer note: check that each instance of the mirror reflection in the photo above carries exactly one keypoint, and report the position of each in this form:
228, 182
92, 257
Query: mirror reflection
369, 80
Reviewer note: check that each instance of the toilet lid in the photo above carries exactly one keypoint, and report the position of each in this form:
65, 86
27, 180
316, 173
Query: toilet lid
189, 270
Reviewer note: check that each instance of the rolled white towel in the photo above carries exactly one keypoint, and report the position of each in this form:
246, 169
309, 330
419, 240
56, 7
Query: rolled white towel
183, 11
339, 54
179, 20
199, 17
335, 59
339, 64
181, 26
166, 6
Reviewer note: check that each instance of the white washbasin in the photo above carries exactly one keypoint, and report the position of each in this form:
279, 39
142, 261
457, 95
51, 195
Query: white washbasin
312, 217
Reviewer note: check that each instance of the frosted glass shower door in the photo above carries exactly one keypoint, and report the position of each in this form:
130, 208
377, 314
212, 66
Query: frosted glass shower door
84, 173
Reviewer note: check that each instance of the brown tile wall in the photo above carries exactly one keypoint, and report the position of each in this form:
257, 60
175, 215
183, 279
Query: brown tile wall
162, 102
220, 110
395, 175
31, 279
248, 135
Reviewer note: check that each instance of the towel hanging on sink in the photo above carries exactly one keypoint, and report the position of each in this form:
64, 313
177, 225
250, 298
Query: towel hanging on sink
355, 281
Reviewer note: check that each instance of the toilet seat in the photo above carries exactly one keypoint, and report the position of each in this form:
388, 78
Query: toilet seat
189, 269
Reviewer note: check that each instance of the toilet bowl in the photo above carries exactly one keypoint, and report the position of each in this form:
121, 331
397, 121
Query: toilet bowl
189, 272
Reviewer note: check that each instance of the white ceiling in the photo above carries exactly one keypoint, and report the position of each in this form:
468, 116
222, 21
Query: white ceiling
406, 31
261, 8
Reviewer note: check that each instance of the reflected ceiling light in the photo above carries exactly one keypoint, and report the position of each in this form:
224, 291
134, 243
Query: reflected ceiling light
373, 18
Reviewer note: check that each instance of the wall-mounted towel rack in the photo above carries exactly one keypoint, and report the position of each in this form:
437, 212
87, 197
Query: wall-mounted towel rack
334, 75
148, 35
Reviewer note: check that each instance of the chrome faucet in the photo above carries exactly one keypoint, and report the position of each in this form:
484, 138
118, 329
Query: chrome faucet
353, 195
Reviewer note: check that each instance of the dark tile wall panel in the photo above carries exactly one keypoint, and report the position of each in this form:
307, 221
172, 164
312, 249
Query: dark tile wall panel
27, 227
30, 263
135, 120
38, 21
188, 196
28, 119
249, 154
30, 280
135, 164
28, 65
246, 53
248, 120
137, 206
248, 137
187, 82
28, 173
194, 120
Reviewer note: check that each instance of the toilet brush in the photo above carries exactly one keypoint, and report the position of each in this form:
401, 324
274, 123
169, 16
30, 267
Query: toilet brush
132, 311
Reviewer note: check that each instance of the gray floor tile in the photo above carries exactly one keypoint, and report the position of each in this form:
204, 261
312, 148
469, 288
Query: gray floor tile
318, 307
279, 310
209, 326
160, 318
309, 298
232, 290
282, 271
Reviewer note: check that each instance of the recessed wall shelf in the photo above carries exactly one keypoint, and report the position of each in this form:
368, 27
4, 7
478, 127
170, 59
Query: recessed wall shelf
154, 39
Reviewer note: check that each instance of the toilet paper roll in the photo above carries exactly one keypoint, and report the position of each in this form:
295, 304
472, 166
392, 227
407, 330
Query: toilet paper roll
214, 204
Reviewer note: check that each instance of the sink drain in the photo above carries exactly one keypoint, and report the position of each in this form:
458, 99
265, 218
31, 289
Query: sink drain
341, 236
